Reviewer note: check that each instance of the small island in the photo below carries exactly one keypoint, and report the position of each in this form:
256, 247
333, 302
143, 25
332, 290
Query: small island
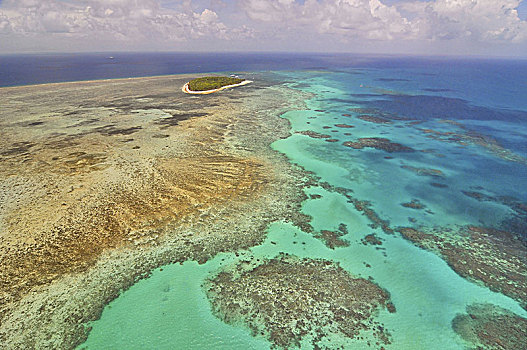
208, 85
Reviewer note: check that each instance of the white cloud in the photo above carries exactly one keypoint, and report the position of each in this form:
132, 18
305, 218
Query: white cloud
340, 25
369, 19
125, 20
5, 25
480, 20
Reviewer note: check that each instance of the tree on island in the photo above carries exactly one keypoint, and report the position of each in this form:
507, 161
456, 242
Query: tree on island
212, 83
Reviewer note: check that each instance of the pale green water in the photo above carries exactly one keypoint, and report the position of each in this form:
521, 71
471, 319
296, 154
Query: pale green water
168, 311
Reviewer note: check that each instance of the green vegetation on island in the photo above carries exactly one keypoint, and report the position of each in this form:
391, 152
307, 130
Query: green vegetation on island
211, 83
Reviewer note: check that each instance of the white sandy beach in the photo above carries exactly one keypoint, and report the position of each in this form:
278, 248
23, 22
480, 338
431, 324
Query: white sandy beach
186, 89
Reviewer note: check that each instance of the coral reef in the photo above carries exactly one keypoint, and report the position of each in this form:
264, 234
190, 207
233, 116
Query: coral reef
332, 239
469, 137
493, 257
414, 204
378, 143
424, 171
371, 239
486, 326
314, 134
288, 300
374, 119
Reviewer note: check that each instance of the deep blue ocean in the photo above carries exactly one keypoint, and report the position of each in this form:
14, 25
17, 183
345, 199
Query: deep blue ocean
38, 69
428, 143
51, 68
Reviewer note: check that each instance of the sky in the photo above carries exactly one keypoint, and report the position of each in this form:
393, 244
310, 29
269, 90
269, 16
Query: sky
420, 27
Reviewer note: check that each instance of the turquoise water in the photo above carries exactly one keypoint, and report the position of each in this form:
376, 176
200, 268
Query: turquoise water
170, 310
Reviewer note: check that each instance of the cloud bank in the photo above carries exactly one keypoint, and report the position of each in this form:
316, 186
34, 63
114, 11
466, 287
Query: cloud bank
243, 24
119, 20
481, 20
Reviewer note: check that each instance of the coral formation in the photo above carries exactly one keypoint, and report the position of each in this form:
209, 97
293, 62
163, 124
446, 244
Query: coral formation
378, 143
493, 257
486, 326
288, 300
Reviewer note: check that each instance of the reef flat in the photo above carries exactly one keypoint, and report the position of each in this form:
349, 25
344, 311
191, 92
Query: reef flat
103, 181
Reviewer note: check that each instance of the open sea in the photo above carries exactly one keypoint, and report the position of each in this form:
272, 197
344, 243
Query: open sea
429, 143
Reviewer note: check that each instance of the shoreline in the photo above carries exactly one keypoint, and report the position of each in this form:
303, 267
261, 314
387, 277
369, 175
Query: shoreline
186, 89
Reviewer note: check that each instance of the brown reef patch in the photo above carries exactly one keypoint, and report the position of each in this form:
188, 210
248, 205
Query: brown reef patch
288, 299
492, 257
486, 326
364, 206
414, 204
313, 134
371, 239
344, 126
332, 239
378, 143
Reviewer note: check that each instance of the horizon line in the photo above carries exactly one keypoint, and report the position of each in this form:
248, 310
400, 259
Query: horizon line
334, 53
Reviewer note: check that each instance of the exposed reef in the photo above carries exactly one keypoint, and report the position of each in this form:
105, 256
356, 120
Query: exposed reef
487, 326
288, 300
